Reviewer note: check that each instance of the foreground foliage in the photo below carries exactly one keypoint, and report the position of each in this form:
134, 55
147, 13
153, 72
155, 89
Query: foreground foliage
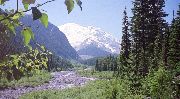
100, 89
19, 65
38, 78
158, 84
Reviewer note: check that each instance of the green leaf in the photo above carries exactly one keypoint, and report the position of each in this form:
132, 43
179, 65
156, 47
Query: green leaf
16, 16
36, 51
44, 19
70, 5
44, 63
43, 48
30, 48
26, 5
2, 1
2, 16
36, 13
14, 56
79, 3
27, 34
11, 27
29, 1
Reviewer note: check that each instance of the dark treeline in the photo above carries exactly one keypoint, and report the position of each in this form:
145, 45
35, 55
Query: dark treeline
89, 62
108, 63
57, 63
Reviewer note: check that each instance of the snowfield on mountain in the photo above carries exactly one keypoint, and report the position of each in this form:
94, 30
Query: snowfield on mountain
81, 37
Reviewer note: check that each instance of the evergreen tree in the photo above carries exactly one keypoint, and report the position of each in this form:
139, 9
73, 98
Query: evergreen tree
166, 46
115, 65
125, 46
139, 34
157, 27
148, 29
97, 65
174, 42
126, 43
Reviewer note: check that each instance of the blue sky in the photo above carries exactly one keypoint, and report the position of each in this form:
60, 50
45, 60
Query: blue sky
105, 14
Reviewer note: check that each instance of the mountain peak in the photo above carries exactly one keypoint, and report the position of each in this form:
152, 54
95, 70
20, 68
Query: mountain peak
81, 37
71, 24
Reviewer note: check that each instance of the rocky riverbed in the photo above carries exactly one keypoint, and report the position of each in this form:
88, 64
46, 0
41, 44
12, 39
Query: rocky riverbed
60, 80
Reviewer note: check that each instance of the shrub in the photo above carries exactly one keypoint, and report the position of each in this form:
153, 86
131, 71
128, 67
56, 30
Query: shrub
38, 78
158, 84
19, 65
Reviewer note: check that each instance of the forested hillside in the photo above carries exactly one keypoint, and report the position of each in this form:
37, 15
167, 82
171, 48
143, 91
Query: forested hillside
51, 37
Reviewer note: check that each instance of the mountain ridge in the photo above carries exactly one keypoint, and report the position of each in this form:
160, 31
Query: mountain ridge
51, 37
81, 37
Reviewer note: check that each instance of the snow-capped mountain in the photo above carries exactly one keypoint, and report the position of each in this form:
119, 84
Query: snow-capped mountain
81, 37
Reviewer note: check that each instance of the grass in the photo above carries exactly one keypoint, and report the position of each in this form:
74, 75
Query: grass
99, 89
36, 79
96, 74
94, 90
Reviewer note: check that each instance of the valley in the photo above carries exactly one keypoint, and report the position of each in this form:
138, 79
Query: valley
93, 49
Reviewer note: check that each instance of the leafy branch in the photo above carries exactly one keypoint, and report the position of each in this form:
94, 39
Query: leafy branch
11, 20
17, 12
69, 4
